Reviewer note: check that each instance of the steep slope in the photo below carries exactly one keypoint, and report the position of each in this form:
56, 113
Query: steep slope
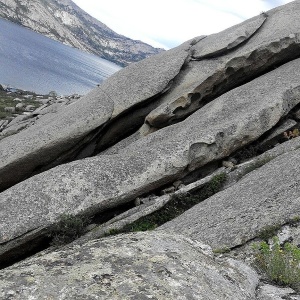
64, 21
202, 141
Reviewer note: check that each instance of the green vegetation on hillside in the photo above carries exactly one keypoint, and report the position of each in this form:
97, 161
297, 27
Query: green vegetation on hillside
7, 100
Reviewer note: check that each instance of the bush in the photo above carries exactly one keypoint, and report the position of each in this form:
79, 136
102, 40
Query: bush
68, 229
280, 263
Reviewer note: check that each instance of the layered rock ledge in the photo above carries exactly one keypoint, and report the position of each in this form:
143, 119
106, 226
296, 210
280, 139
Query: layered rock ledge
156, 133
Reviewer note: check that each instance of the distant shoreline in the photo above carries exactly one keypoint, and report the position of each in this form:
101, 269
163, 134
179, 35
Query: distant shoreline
15, 101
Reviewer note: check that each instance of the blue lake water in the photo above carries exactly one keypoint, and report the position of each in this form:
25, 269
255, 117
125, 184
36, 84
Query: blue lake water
31, 61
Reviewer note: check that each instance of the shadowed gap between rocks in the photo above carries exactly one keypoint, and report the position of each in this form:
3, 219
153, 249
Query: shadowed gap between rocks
27, 250
100, 139
249, 151
231, 77
173, 208
44, 241
107, 134
131, 120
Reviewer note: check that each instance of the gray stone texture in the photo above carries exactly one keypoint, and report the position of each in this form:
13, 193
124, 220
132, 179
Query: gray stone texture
42, 144
134, 266
201, 102
221, 42
270, 292
97, 183
267, 196
275, 42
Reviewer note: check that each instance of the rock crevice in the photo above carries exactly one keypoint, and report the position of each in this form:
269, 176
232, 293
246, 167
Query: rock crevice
240, 98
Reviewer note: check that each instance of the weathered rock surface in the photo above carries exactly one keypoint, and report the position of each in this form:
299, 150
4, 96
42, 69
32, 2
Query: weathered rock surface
135, 266
142, 85
46, 142
220, 43
273, 43
269, 292
228, 98
97, 183
268, 196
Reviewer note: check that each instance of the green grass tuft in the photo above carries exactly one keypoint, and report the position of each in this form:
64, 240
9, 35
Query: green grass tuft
269, 231
280, 263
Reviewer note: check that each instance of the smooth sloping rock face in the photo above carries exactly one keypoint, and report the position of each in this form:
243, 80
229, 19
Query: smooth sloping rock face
141, 81
275, 42
223, 103
249, 49
268, 196
221, 42
94, 184
135, 266
23, 153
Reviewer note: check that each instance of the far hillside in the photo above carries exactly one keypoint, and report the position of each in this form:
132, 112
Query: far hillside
64, 21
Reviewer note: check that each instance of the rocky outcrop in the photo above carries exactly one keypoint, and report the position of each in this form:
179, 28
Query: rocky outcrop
165, 155
242, 211
25, 115
74, 129
269, 46
64, 21
135, 266
201, 140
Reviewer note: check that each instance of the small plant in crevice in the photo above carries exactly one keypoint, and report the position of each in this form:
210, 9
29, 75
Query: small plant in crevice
214, 185
294, 221
68, 229
281, 263
112, 232
177, 205
269, 231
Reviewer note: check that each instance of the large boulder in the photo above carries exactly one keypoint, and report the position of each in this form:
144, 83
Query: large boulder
268, 197
229, 58
49, 143
135, 266
92, 185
